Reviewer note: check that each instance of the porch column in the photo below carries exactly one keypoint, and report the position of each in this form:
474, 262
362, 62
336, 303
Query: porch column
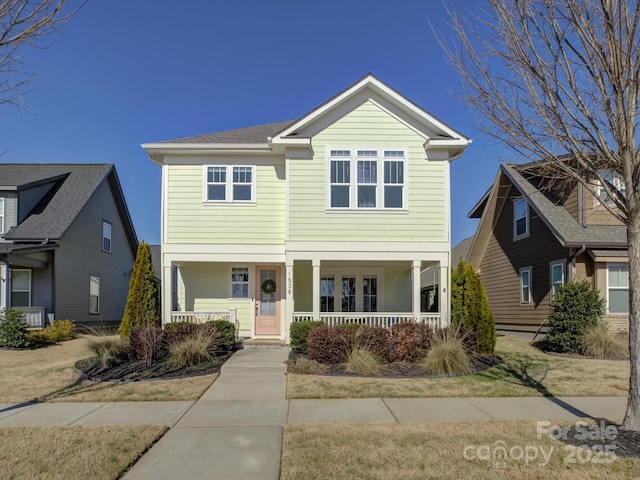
415, 283
444, 302
166, 293
316, 289
290, 304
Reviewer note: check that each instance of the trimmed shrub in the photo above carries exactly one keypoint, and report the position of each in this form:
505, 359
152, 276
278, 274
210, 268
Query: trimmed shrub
61, 330
575, 308
226, 333
13, 329
598, 342
330, 345
447, 353
169, 327
143, 302
196, 348
409, 341
299, 334
363, 362
305, 366
470, 307
148, 345
376, 340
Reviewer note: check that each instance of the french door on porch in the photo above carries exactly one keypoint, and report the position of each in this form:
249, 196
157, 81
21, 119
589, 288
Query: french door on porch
268, 300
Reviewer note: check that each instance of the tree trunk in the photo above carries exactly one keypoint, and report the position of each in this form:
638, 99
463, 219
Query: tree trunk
632, 416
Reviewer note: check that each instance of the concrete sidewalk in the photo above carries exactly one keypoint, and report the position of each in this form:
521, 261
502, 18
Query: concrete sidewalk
235, 429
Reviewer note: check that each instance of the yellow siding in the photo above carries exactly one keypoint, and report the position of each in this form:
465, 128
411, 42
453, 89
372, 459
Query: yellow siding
368, 126
189, 220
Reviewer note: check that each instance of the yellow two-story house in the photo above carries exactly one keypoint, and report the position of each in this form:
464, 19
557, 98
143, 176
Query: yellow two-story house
332, 216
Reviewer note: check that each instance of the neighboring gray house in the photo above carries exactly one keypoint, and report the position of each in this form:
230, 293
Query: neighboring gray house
67, 243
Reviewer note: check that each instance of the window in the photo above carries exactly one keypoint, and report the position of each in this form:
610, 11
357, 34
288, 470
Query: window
557, 277
240, 282
229, 184
106, 236
368, 189
94, 294
1, 215
520, 218
525, 285
348, 294
327, 294
614, 179
369, 294
20, 288
618, 287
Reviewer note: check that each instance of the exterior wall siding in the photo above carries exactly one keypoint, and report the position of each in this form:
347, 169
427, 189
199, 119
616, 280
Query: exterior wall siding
190, 220
10, 211
500, 271
597, 214
368, 126
80, 256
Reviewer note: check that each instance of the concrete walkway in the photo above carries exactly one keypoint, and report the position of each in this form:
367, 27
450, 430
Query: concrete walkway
235, 429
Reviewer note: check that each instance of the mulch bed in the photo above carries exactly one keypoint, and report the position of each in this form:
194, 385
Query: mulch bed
133, 371
403, 370
622, 443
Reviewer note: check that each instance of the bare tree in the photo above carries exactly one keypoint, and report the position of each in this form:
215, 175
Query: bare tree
551, 77
23, 26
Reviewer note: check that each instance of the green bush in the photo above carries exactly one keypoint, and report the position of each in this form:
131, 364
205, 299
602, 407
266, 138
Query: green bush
61, 330
13, 329
169, 327
470, 307
409, 341
330, 345
448, 353
226, 332
598, 342
300, 333
575, 308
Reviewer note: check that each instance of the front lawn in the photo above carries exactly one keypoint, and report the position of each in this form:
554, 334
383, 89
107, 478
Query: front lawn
440, 450
48, 374
69, 453
524, 372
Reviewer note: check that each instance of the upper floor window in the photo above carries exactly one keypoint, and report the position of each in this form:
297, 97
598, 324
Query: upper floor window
520, 219
615, 179
557, 277
1, 216
618, 287
229, 183
106, 236
378, 182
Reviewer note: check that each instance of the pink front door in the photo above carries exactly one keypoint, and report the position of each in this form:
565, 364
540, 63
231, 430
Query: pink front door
268, 301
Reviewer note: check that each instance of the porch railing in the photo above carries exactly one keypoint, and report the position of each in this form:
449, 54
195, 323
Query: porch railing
34, 316
386, 320
203, 317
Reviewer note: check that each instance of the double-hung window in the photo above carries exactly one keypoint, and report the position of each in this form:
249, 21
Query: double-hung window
94, 294
1, 216
520, 219
20, 288
525, 285
618, 287
106, 236
367, 179
616, 182
327, 294
226, 183
557, 277
240, 282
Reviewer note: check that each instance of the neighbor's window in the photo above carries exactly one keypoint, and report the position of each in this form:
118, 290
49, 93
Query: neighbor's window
20, 288
327, 294
520, 218
240, 282
1, 215
368, 189
614, 179
106, 236
94, 294
229, 184
618, 287
557, 277
525, 285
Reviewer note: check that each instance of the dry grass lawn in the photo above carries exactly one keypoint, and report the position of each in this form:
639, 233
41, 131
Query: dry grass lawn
98, 453
436, 450
47, 374
525, 371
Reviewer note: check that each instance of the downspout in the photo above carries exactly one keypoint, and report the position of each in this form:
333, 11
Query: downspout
573, 257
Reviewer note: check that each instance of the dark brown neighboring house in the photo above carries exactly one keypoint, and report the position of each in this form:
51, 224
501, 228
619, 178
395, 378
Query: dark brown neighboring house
67, 243
533, 236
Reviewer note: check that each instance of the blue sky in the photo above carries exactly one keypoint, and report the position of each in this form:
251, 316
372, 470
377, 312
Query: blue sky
126, 72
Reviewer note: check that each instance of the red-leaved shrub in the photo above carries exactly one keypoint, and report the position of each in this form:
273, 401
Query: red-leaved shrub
409, 341
330, 345
147, 344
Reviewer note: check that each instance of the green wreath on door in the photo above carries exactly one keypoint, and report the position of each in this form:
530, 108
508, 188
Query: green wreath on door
268, 286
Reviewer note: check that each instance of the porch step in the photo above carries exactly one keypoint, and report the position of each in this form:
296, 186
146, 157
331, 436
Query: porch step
260, 343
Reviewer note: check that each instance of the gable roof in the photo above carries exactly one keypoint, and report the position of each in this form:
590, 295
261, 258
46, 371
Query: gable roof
73, 185
272, 136
560, 222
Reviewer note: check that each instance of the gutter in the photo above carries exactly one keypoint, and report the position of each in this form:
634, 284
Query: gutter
580, 251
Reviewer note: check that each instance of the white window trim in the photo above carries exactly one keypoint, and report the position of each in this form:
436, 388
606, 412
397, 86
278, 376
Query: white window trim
110, 237
553, 264
380, 184
250, 273
91, 281
520, 272
618, 183
359, 274
609, 287
13, 270
228, 185
2, 215
527, 216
